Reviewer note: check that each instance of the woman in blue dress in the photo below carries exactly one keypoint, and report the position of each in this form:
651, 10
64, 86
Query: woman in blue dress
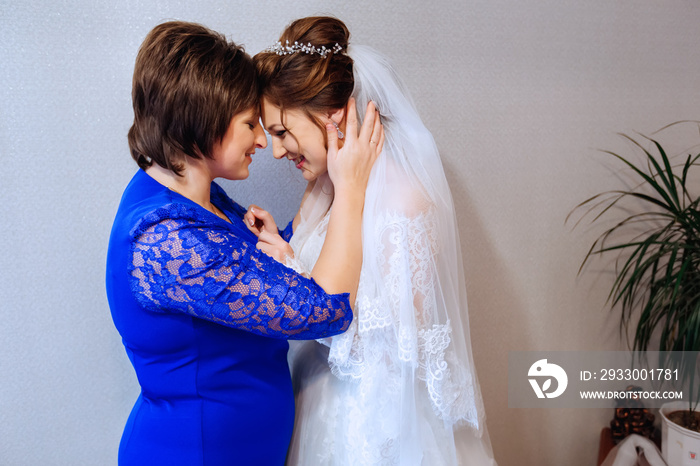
204, 315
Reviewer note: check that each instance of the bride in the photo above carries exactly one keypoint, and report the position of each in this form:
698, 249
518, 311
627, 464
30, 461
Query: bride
395, 387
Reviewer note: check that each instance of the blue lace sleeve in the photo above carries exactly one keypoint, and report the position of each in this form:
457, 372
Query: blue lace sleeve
287, 233
180, 265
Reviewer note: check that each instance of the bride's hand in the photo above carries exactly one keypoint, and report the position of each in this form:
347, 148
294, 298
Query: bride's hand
258, 220
349, 167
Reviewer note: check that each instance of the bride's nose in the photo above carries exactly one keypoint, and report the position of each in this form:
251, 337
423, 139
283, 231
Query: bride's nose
278, 150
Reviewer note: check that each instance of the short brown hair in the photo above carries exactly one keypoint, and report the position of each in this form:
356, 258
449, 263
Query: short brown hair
308, 81
189, 82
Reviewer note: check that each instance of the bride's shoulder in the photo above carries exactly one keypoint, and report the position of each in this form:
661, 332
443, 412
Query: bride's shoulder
403, 195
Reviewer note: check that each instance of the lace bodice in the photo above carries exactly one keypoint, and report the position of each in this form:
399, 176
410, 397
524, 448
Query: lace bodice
182, 264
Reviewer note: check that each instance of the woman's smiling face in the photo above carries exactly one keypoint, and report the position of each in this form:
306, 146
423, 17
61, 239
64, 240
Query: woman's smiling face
232, 155
298, 139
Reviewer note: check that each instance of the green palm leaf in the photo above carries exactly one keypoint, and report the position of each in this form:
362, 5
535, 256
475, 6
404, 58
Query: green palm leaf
656, 245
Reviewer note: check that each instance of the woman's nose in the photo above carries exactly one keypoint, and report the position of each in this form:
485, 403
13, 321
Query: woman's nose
260, 138
278, 150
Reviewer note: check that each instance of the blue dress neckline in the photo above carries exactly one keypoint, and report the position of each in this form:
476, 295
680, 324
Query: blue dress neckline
217, 196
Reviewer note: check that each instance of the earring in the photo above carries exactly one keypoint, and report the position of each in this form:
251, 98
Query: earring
340, 133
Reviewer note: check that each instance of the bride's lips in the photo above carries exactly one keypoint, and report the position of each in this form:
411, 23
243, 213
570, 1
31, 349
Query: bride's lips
299, 162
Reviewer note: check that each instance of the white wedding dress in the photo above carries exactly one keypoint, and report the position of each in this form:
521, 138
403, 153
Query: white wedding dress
398, 385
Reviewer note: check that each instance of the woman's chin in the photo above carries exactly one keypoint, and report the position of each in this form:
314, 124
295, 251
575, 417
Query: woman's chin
238, 175
309, 175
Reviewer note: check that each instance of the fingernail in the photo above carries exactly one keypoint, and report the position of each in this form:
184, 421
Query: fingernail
252, 209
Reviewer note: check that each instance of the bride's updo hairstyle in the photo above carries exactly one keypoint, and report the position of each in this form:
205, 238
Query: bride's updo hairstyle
314, 79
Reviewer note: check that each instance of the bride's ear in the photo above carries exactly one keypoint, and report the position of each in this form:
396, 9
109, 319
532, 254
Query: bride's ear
337, 115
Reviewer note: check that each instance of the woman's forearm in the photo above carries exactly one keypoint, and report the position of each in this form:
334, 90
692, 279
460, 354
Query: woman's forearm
338, 267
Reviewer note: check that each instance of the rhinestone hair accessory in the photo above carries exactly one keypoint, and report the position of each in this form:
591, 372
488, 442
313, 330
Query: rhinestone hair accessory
287, 49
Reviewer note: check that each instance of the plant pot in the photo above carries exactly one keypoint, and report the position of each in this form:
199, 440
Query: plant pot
679, 446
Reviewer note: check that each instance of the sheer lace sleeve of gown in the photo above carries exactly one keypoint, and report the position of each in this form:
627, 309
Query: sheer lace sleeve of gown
181, 266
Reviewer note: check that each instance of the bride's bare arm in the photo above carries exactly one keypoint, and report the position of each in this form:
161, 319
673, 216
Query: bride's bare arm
338, 267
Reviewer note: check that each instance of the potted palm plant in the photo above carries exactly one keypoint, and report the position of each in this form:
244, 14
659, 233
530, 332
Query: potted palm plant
656, 246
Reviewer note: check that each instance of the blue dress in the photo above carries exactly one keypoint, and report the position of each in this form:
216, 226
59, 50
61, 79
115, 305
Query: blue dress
204, 317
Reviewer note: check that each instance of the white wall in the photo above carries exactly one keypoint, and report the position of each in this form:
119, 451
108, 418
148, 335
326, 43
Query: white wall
518, 93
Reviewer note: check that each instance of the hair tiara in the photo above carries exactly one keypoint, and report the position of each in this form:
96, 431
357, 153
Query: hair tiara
287, 49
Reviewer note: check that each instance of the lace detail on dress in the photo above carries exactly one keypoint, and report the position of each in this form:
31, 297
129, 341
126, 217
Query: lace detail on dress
296, 265
396, 316
346, 355
288, 231
183, 264
444, 393
370, 314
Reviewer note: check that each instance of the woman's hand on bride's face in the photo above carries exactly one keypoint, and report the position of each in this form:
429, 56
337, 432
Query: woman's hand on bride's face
258, 220
349, 167
274, 246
